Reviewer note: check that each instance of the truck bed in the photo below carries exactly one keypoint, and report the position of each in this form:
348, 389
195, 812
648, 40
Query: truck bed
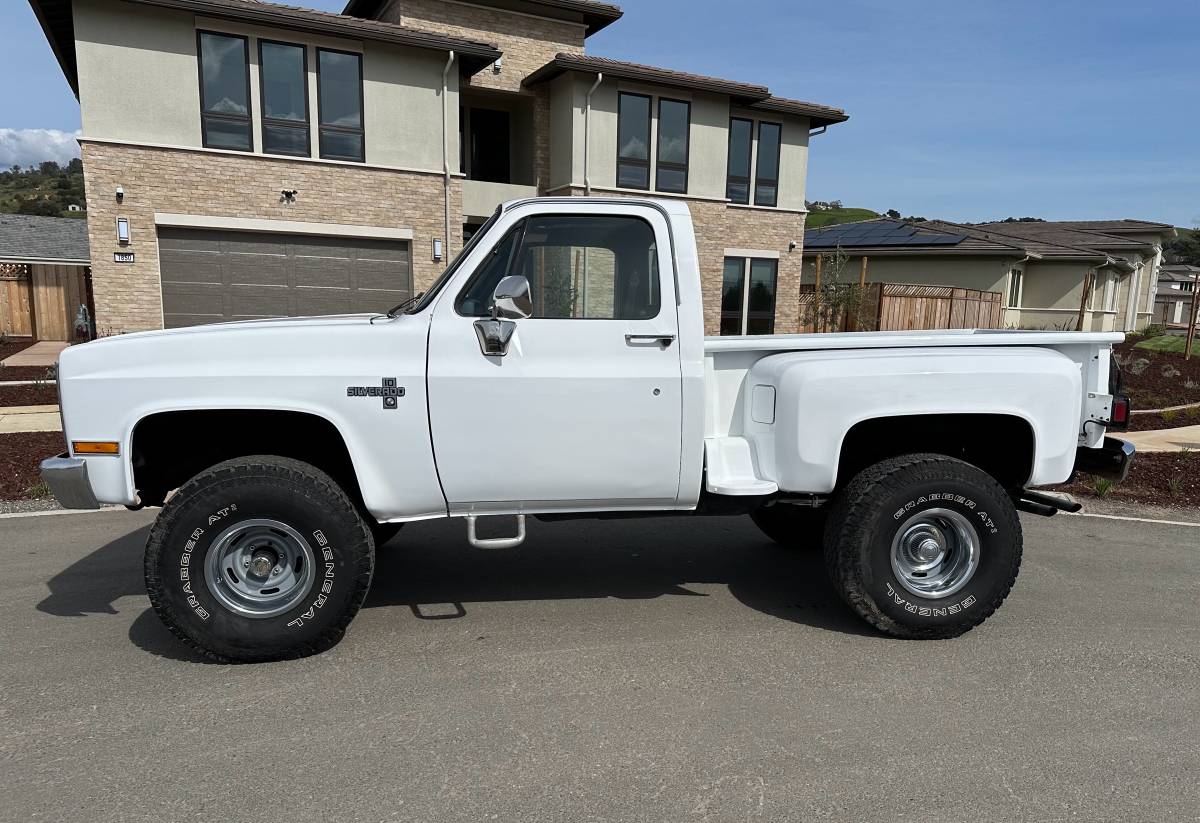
906, 339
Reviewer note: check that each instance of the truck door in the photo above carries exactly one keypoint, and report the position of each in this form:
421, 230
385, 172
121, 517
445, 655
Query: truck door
584, 409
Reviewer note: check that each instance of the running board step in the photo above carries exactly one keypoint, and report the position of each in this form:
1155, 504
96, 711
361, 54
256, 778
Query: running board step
495, 543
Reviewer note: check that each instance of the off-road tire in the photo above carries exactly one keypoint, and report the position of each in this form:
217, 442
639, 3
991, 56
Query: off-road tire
868, 514
793, 527
238, 491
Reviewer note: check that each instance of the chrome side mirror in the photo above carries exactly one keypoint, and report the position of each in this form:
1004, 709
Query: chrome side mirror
511, 300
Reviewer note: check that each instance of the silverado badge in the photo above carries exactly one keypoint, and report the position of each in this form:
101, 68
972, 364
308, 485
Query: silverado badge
389, 391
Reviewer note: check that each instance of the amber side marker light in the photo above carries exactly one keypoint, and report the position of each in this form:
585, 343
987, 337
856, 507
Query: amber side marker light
95, 447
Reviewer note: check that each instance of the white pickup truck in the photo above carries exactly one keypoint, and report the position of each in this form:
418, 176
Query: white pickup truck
559, 368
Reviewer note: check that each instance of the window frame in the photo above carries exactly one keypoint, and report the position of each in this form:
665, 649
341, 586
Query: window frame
522, 225
262, 96
650, 147
758, 157
248, 118
729, 176
659, 163
1016, 277
747, 267
362, 109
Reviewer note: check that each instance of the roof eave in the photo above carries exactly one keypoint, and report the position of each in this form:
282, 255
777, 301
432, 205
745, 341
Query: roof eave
595, 18
69, 69
563, 63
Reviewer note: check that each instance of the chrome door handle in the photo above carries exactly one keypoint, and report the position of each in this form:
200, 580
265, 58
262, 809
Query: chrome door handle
663, 340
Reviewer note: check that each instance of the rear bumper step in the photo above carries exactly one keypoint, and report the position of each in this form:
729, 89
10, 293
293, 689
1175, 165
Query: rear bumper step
1112, 460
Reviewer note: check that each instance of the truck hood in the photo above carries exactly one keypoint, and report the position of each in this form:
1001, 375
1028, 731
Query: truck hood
295, 344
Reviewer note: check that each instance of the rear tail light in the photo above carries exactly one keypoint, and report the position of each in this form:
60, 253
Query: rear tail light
1119, 419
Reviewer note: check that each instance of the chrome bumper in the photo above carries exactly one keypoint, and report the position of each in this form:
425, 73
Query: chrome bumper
67, 478
1112, 460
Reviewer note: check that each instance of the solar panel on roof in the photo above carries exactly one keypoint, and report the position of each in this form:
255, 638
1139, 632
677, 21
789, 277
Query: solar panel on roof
865, 235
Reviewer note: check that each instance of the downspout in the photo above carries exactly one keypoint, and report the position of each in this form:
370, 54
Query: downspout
587, 135
446, 150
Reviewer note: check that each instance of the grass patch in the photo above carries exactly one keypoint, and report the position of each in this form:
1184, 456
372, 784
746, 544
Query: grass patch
832, 217
1170, 343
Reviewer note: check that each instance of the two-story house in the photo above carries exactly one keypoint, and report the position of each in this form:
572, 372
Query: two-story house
245, 159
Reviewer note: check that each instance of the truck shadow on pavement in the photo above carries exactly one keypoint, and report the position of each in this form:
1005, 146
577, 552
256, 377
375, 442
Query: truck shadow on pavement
430, 570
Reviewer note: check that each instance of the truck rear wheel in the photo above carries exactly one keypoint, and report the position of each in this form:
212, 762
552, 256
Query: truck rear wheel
923, 546
260, 558
793, 527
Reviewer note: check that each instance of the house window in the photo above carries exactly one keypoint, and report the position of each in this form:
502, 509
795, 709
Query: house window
748, 287
283, 72
737, 186
633, 141
1110, 293
578, 268
766, 176
340, 105
674, 125
1016, 279
224, 91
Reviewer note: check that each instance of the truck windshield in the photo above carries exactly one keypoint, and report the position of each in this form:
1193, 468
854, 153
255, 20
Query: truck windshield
441, 282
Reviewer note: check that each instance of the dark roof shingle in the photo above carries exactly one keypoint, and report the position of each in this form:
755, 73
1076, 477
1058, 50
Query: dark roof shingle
28, 239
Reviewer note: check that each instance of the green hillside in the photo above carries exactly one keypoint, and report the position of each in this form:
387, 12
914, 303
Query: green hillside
46, 189
831, 217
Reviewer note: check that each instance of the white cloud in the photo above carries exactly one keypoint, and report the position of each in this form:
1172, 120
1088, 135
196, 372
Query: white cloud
28, 147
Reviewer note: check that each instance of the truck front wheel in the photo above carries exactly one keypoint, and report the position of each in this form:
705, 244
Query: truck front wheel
260, 558
923, 546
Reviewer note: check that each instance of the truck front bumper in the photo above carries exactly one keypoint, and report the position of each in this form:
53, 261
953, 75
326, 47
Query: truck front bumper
1113, 459
67, 478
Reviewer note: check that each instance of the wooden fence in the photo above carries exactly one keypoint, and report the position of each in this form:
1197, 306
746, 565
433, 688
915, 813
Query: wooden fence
905, 307
41, 301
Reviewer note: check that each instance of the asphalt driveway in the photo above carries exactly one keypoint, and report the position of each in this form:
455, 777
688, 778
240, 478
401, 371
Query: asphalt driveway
667, 669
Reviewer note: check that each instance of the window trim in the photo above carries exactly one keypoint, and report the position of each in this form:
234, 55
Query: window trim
362, 109
659, 163
262, 96
747, 264
650, 152
248, 118
1016, 277
522, 224
758, 156
729, 176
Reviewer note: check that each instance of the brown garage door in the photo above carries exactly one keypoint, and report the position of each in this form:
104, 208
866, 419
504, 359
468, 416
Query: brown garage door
211, 276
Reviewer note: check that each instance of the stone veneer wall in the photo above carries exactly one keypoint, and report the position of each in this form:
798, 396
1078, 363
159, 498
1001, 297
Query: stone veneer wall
528, 42
128, 296
720, 227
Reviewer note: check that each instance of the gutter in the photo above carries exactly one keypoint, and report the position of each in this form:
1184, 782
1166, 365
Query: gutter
587, 135
446, 151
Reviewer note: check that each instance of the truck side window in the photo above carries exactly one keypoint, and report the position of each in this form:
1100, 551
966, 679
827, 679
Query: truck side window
585, 267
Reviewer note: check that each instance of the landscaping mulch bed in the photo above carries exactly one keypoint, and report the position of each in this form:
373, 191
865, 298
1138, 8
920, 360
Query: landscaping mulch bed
1167, 420
1170, 479
1155, 380
20, 458
28, 395
14, 345
25, 373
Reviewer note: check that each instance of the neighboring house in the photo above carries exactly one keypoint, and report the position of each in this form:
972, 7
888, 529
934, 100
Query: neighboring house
272, 160
1176, 288
43, 275
1040, 268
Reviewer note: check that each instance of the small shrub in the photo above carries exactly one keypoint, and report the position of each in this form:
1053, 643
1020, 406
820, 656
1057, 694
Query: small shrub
38, 491
1102, 486
1169, 415
1174, 484
1138, 365
52, 373
3, 338
1152, 331
1170, 372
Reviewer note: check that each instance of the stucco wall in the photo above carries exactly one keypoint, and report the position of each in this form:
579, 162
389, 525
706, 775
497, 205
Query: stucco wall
139, 82
963, 272
708, 149
128, 296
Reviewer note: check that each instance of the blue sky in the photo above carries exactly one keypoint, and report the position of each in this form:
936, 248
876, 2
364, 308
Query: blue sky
960, 109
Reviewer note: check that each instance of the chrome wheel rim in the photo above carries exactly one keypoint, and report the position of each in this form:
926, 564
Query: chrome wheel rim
260, 568
935, 553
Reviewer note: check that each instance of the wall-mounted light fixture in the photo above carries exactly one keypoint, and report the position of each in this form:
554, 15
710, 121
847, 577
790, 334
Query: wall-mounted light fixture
120, 194
123, 231
437, 249
288, 195
498, 66
792, 244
